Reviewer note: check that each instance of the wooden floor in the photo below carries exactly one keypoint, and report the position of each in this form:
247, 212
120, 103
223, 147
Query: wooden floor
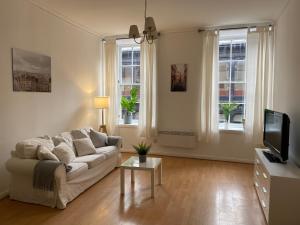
193, 192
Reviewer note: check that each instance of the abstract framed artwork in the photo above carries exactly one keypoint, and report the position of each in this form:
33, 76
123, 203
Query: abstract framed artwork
179, 77
31, 71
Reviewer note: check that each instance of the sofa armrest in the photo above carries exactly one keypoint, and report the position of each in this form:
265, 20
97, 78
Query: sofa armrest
21, 166
25, 167
114, 141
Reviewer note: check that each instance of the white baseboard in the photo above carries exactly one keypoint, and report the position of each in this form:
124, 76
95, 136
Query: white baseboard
3, 194
205, 157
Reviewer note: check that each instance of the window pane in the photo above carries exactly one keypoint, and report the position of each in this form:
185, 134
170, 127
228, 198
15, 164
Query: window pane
224, 69
239, 51
238, 71
127, 75
237, 115
126, 57
224, 52
137, 111
138, 92
136, 74
237, 92
136, 57
223, 92
125, 90
221, 114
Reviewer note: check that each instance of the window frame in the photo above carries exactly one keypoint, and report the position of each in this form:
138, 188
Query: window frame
234, 39
120, 79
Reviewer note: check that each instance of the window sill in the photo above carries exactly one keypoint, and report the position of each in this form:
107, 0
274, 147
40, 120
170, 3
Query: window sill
231, 128
133, 125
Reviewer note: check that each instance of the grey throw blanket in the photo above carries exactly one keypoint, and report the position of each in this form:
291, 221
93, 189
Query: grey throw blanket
43, 177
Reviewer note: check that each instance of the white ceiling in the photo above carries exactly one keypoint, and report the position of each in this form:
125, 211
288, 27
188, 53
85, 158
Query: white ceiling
113, 17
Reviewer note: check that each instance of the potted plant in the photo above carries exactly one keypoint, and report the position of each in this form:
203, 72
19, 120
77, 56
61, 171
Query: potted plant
142, 149
129, 104
227, 109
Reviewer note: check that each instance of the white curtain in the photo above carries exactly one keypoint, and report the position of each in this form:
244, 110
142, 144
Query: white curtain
209, 114
148, 94
260, 78
110, 72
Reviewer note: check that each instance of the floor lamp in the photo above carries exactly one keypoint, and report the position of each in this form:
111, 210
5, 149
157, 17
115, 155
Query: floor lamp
102, 102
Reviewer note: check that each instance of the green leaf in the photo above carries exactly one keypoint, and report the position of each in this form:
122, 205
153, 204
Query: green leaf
129, 103
227, 109
142, 148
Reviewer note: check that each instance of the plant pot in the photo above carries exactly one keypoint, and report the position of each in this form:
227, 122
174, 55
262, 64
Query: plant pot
128, 118
226, 125
142, 158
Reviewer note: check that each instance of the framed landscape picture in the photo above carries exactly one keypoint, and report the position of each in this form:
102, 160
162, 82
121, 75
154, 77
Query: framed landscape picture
31, 71
179, 77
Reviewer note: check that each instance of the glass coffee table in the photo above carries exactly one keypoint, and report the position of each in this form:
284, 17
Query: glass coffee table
133, 163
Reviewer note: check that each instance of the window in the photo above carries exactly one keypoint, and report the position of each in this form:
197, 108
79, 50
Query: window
232, 80
129, 76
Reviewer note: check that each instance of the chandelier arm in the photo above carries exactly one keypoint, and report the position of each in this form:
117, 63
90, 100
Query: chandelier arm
145, 9
148, 40
142, 40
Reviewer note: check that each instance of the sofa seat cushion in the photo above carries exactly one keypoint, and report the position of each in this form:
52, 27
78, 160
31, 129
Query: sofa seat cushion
108, 151
77, 170
91, 160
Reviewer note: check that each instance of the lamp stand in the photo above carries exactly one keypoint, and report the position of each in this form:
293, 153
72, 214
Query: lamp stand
102, 128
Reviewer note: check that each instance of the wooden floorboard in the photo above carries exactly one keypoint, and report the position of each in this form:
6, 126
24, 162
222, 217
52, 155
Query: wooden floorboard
194, 192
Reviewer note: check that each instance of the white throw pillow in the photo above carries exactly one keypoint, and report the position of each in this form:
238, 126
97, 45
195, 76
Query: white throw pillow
27, 149
43, 153
59, 139
64, 153
84, 146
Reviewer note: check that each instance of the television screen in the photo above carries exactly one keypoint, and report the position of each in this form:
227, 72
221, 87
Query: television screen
273, 130
276, 133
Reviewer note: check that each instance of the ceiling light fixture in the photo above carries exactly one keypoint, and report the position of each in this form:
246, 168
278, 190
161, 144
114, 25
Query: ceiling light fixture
149, 33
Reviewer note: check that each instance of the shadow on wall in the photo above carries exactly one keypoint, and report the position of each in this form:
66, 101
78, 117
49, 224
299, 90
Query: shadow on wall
294, 137
85, 115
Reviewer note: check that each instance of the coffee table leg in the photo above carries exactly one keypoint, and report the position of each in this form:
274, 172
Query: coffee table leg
152, 183
132, 176
122, 182
160, 173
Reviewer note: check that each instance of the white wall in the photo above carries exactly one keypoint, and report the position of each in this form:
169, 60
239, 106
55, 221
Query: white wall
287, 72
75, 66
178, 110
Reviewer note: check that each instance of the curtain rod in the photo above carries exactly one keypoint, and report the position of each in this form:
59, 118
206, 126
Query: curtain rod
229, 27
235, 27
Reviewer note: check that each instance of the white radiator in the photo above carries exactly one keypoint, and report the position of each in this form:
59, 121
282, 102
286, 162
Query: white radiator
179, 139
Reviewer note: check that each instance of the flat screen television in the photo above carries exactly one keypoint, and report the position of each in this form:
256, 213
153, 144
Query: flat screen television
276, 133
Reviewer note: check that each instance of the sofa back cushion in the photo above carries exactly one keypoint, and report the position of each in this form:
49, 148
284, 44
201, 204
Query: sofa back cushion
27, 149
99, 139
64, 153
43, 153
84, 146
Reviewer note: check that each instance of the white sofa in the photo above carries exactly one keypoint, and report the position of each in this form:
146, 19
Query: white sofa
86, 171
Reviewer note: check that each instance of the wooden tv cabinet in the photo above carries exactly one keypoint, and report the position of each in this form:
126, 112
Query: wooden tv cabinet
278, 189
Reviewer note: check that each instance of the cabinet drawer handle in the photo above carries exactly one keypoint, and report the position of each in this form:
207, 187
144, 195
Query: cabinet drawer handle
257, 161
257, 173
265, 176
264, 190
263, 204
256, 184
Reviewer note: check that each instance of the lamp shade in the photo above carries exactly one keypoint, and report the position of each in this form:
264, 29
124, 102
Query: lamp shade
134, 31
101, 102
150, 25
